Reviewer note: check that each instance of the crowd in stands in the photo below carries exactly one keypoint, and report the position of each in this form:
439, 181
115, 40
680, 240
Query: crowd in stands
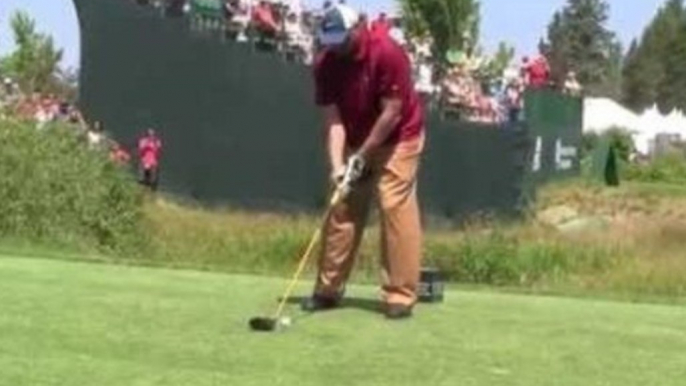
462, 91
468, 94
43, 110
493, 100
283, 25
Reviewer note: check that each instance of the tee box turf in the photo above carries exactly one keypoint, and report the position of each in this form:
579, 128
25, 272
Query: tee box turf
430, 286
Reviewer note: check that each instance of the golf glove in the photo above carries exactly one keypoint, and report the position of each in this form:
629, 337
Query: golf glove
354, 169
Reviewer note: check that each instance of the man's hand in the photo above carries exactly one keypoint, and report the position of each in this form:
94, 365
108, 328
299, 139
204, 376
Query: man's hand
354, 168
337, 175
352, 173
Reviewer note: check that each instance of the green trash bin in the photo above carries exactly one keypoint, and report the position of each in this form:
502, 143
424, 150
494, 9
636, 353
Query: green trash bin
605, 166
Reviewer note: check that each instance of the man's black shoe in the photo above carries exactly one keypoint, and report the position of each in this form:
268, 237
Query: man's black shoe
319, 303
398, 311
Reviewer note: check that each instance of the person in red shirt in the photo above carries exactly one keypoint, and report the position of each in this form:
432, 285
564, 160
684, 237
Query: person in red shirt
375, 125
263, 19
537, 72
119, 155
381, 25
149, 151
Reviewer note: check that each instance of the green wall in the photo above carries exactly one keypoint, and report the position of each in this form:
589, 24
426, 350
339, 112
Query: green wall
555, 123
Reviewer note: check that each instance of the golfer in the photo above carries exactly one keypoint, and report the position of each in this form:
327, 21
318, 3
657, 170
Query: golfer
375, 122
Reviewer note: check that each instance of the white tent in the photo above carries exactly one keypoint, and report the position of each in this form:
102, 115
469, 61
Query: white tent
601, 114
653, 123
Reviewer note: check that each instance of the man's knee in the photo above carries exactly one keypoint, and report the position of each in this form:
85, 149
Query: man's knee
401, 196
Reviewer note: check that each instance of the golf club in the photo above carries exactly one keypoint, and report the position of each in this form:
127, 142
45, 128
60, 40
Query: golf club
270, 324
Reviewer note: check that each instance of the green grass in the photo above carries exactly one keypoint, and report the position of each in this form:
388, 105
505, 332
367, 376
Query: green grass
70, 323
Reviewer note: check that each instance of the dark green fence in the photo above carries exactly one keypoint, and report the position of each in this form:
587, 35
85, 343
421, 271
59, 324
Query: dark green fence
240, 126
555, 123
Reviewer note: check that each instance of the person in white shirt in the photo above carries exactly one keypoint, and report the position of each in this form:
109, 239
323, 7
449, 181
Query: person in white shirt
96, 136
424, 78
240, 11
397, 33
423, 47
572, 86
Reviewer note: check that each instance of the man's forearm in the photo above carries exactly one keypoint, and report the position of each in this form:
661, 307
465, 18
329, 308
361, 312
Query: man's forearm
336, 147
387, 122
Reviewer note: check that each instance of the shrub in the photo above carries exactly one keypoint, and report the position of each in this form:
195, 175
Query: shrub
669, 168
619, 138
55, 189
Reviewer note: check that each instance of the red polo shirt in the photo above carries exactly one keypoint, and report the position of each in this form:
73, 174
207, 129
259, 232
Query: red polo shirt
381, 69
149, 149
538, 73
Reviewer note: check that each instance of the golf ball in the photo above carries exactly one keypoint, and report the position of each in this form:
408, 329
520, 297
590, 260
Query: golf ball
285, 321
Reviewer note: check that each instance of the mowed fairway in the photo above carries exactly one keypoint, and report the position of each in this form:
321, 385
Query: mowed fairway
65, 323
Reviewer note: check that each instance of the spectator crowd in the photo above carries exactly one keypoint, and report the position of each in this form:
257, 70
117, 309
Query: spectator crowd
44, 110
461, 90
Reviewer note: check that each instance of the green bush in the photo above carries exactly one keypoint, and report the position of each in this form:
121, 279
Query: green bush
593, 166
619, 139
669, 168
56, 190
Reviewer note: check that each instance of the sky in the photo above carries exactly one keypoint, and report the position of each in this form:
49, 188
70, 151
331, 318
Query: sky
519, 22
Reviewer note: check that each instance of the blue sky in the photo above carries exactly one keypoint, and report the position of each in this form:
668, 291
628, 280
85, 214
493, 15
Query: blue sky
519, 22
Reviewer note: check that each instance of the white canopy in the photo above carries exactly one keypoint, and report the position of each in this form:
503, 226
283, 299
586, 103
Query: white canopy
601, 114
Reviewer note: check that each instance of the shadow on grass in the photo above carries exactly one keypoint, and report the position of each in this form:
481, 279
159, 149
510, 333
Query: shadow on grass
369, 305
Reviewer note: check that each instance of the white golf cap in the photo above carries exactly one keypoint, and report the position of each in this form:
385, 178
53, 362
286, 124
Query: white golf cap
336, 24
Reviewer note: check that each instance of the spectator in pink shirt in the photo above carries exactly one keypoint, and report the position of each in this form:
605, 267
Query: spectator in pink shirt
536, 71
264, 21
149, 151
381, 25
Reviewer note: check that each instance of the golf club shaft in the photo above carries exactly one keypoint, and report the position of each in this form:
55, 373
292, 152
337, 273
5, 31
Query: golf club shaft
303, 260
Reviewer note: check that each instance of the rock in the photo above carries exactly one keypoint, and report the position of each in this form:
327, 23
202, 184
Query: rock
584, 225
557, 215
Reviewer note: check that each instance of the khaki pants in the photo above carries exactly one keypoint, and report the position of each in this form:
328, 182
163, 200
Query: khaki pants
393, 180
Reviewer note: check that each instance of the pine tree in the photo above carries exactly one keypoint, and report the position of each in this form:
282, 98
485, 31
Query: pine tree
672, 89
556, 48
579, 40
645, 73
611, 86
635, 84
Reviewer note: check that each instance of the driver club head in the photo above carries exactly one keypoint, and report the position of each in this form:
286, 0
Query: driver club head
263, 324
